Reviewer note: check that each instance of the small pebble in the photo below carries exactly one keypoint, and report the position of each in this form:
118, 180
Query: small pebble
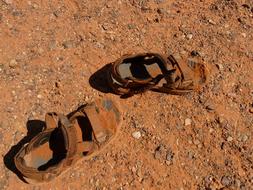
194, 53
211, 22
189, 36
220, 67
169, 156
159, 1
231, 69
244, 35
163, 11
13, 63
196, 142
157, 155
39, 96
251, 110
210, 107
168, 162
211, 130
208, 179
187, 121
229, 139
41, 51
68, 44
225, 180
183, 52
159, 152
131, 26
191, 155
243, 138
136, 134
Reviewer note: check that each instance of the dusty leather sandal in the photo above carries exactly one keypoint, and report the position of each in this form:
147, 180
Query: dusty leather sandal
64, 141
132, 74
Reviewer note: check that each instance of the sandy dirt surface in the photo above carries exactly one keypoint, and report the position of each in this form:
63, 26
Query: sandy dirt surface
203, 141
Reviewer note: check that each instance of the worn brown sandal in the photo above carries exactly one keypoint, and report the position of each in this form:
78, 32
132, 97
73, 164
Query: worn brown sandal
132, 74
65, 141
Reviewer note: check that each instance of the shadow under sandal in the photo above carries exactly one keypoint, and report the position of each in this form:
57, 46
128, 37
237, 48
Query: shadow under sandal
133, 74
65, 141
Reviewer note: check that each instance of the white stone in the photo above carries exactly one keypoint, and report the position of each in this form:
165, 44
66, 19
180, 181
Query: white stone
189, 36
229, 139
187, 121
136, 134
13, 63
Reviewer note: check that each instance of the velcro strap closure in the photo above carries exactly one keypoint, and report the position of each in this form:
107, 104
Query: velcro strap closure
98, 127
70, 136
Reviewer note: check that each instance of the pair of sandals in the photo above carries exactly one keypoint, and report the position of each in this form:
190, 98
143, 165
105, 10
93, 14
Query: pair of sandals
84, 133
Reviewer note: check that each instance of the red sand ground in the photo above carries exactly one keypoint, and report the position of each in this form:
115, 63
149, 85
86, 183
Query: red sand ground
49, 49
